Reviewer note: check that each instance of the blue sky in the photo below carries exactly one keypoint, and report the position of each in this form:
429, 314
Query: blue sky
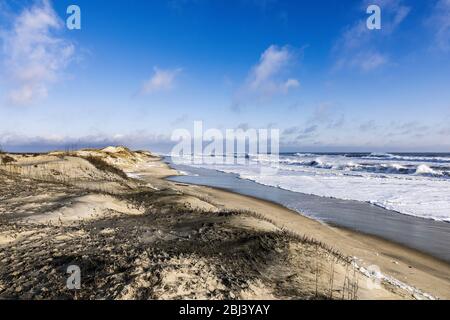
137, 70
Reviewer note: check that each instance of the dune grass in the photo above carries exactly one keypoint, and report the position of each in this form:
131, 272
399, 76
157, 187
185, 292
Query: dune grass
102, 165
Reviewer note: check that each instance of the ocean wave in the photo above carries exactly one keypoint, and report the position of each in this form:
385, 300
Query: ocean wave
341, 163
414, 158
381, 156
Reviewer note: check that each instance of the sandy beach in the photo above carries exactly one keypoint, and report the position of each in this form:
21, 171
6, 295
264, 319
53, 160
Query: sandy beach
136, 235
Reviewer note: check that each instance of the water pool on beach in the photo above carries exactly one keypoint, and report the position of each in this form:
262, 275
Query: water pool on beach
426, 235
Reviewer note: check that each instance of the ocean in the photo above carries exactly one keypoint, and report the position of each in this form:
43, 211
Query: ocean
416, 184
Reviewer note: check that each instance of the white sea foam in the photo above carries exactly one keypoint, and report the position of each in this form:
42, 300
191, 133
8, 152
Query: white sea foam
381, 277
409, 185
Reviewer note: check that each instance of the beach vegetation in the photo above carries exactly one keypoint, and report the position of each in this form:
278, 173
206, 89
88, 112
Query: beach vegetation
102, 165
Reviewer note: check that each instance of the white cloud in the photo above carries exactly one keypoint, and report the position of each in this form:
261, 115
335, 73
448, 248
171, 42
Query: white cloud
440, 23
268, 77
35, 56
161, 80
290, 84
357, 46
264, 77
368, 60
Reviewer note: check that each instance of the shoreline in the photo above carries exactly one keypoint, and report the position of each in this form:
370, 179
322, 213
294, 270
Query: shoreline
425, 235
325, 223
410, 266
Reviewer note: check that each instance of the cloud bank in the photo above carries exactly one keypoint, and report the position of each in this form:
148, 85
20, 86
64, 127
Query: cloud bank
14, 142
